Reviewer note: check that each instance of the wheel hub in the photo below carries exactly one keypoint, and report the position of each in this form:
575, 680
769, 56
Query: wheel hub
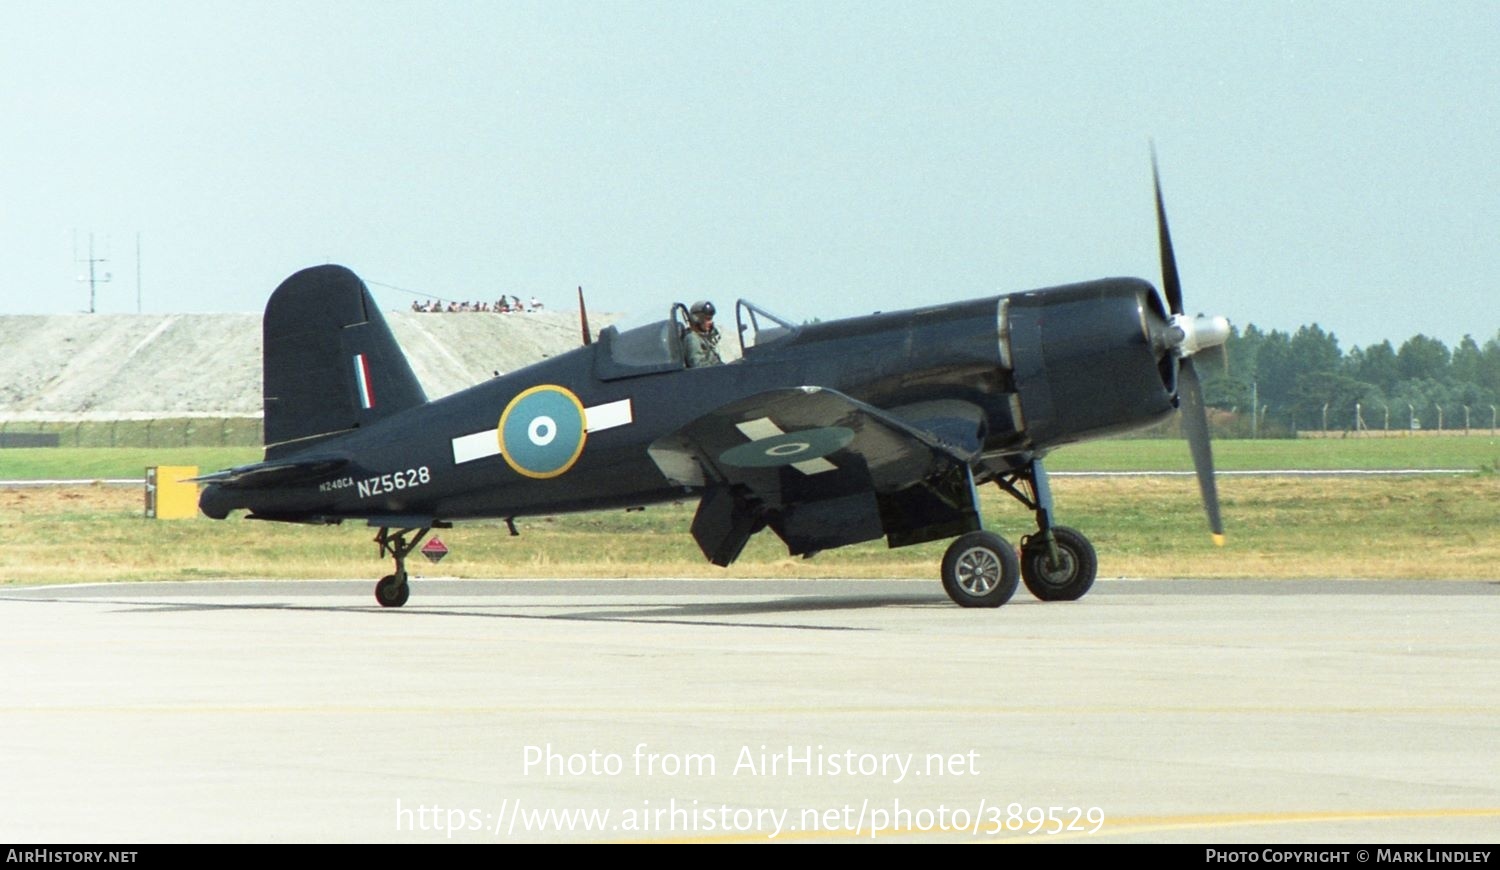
1061, 572
978, 571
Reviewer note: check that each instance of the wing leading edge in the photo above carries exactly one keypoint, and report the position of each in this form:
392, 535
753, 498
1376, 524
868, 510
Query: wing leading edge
822, 470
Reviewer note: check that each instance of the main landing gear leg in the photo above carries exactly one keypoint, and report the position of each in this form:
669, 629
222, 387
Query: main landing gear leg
392, 590
1057, 563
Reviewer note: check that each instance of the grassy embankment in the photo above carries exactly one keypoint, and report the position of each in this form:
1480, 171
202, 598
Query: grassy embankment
1438, 527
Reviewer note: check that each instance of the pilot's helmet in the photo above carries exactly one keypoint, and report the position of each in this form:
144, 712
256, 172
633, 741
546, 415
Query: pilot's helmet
702, 310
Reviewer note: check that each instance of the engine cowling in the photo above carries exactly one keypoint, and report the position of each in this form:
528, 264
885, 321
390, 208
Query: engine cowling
1090, 360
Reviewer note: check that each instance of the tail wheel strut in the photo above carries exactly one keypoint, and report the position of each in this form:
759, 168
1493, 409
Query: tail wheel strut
392, 590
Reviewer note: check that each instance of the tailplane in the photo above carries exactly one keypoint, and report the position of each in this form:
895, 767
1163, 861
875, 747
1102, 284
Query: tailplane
331, 363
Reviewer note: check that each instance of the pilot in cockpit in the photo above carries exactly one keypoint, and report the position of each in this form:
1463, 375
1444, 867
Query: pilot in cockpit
701, 341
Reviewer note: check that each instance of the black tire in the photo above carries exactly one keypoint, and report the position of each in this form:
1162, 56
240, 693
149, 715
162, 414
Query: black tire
1068, 581
392, 591
980, 569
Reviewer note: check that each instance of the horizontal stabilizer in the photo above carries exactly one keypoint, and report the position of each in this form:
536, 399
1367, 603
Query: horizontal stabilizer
263, 474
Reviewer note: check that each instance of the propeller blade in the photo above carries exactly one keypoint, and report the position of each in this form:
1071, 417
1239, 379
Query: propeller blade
1170, 284
583, 318
1195, 427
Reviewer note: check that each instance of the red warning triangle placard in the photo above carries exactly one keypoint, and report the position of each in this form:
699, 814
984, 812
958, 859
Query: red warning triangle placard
435, 550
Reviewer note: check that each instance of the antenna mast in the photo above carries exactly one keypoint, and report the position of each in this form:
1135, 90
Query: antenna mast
93, 278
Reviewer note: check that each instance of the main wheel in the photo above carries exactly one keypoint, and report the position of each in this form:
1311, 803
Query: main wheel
392, 590
980, 569
1071, 577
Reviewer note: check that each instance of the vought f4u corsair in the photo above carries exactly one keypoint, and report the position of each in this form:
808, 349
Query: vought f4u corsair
828, 434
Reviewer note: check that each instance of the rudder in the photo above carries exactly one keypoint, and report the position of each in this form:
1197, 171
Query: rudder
330, 362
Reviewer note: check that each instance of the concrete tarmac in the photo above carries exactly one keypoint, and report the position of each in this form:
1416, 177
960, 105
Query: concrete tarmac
506, 711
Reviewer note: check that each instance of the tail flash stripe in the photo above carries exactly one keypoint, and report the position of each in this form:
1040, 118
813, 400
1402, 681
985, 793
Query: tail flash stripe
362, 378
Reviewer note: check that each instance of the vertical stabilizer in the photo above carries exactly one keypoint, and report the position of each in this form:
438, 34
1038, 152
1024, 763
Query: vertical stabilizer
331, 363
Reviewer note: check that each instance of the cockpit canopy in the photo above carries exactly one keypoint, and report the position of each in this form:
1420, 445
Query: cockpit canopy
759, 327
658, 347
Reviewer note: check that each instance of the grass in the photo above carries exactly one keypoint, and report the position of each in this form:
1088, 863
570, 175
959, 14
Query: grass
1479, 451
1440, 527
109, 463
1472, 452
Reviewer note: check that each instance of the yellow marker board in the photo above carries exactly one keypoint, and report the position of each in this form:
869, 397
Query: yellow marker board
169, 493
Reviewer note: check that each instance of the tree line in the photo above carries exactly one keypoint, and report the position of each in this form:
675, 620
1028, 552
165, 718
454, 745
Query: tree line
1298, 380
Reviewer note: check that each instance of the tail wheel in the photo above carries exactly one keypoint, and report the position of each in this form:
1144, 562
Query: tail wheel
980, 569
1070, 577
392, 590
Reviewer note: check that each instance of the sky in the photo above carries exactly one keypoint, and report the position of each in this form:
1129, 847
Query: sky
1322, 162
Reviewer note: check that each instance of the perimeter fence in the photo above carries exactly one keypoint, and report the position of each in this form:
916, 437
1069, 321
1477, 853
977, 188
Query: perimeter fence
156, 432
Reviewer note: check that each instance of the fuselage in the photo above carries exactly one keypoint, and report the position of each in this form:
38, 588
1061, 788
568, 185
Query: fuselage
1045, 368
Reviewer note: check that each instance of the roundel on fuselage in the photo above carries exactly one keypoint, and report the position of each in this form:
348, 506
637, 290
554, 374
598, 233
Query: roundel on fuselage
542, 431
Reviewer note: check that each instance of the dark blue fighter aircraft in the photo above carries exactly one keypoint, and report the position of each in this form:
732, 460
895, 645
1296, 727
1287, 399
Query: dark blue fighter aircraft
826, 433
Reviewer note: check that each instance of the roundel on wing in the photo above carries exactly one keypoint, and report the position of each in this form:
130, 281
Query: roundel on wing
788, 448
542, 431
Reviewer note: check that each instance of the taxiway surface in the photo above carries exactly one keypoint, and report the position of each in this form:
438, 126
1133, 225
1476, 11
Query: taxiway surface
1166, 711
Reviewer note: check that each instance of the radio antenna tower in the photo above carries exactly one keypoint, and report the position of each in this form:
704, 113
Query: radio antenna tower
93, 278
